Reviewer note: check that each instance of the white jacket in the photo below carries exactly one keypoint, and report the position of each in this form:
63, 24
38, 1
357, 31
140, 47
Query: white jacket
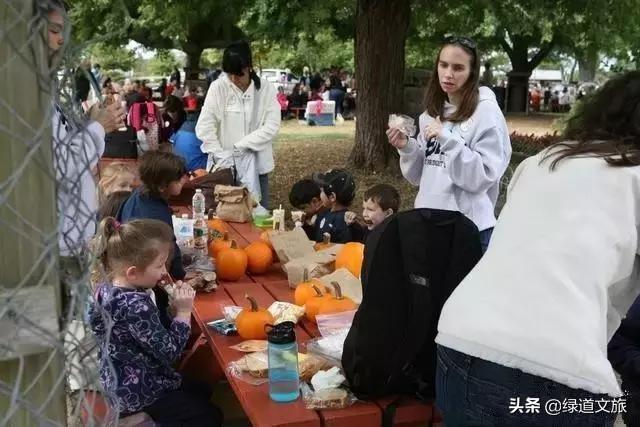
76, 153
561, 271
225, 122
461, 171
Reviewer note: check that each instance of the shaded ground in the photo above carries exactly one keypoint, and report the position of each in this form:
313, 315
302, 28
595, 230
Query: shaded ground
301, 150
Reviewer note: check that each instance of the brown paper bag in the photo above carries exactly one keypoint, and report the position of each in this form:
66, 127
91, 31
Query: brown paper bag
316, 264
235, 204
350, 285
290, 244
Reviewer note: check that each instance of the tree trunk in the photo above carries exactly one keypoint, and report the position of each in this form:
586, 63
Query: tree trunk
192, 67
518, 77
381, 32
573, 70
588, 64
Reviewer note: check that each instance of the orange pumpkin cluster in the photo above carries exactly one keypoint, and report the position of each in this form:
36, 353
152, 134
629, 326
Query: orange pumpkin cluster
231, 261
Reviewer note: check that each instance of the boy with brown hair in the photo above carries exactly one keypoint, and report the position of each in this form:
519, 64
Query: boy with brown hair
379, 202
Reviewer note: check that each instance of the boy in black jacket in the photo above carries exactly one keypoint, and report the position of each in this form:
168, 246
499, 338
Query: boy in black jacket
337, 190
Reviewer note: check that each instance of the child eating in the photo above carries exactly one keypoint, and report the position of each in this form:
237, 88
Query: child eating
136, 350
337, 190
305, 196
380, 202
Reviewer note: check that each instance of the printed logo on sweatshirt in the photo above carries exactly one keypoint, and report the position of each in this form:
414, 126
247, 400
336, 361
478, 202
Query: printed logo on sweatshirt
433, 148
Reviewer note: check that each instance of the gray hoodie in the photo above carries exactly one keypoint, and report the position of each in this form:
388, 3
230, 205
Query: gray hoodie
461, 170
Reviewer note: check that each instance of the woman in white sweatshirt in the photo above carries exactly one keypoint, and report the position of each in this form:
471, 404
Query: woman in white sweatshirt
239, 120
463, 146
523, 339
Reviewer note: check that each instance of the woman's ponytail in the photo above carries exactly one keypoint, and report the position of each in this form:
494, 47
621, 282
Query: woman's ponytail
255, 78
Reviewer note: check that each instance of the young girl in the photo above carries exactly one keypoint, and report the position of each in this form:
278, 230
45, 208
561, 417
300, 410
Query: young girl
533, 318
136, 349
463, 147
162, 175
114, 177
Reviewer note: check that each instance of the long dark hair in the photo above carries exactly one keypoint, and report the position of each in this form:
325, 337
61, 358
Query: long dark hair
435, 97
236, 57
606, 124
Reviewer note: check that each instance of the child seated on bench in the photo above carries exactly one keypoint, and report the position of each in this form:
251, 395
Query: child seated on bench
136, 350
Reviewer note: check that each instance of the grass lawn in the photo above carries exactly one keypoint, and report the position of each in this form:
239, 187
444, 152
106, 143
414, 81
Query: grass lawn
301, 150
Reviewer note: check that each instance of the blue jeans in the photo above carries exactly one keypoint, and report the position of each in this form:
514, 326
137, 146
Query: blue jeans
337, 95
264, 190
485, 238
474, 392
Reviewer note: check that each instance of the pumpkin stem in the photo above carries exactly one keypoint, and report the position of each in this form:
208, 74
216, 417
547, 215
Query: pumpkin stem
210, 214
317, 289
305, 275
337, 290
326, 238
234, 245
253, 302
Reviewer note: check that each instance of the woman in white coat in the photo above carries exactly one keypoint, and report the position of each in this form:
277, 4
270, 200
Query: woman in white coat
239, 120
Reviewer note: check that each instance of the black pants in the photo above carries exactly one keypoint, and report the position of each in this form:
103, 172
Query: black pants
188, 406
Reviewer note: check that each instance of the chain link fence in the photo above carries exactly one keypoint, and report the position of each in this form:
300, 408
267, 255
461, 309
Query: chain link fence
48, 359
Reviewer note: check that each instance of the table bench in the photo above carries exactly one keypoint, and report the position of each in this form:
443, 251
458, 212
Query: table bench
255, 401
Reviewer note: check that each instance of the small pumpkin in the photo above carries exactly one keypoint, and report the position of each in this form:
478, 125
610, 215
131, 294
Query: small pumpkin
304, 290
260, 257
337, 303
313, 304
326, 242
251, 321
215, 246
264, 236
350, 257
217, 227
231, 263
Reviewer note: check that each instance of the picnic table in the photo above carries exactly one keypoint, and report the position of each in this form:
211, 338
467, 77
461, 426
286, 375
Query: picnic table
260, 409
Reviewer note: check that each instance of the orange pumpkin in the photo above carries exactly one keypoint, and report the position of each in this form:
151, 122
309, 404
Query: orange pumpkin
336, 303
264, 236
251, 321
326, 242
217, 227
215, 246
231, 263
260, 257
350, 257
304, 290
313, 304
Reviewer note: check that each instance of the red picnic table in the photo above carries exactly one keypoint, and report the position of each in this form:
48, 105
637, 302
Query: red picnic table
255, 401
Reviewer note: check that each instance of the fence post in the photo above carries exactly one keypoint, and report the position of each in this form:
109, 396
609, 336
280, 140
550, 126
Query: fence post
32, 383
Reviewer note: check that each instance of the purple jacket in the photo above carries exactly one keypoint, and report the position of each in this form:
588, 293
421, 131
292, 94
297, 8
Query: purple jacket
136, 352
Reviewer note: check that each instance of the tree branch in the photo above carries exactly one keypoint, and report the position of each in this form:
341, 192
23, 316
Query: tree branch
542, 52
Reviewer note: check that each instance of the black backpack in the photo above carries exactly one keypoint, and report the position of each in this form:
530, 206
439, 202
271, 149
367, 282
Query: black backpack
412, 263
121, 144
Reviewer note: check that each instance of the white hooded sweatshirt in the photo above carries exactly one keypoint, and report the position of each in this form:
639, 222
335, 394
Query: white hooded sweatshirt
231, 130
461, 170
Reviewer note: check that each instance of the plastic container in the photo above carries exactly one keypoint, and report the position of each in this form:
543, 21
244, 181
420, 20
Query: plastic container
284, 383
200, 231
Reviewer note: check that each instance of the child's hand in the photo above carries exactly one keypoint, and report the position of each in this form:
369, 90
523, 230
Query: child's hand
183, 300
350, 217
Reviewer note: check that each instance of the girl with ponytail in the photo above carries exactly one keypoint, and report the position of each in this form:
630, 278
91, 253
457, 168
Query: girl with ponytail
239, 120
136, 349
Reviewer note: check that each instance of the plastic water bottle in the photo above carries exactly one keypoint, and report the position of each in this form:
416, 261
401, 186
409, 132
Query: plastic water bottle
284, 383
200, 232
